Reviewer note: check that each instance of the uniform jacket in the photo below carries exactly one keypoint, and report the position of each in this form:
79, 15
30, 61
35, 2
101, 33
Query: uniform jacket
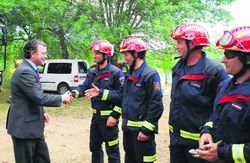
192, 95
25, 117
141, 100
110, 78
230, 121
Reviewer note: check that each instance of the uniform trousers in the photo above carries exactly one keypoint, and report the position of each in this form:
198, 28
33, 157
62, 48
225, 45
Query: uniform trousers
100, 133
138, 151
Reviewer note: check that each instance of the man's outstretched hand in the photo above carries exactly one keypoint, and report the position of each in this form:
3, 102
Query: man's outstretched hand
92, 92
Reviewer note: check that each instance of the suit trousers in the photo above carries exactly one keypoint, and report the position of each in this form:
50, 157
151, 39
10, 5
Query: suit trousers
31, 150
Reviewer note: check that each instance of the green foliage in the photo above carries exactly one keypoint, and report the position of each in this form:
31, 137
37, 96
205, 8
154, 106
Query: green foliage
70, 26
214, 53
162, 60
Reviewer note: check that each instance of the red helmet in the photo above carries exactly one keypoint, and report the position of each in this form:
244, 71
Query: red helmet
133, 44
237, 39
103, 46
193, 32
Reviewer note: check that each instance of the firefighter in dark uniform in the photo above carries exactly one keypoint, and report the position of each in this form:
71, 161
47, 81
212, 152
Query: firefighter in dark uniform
230, 121
104, 123
194, 82
141, 101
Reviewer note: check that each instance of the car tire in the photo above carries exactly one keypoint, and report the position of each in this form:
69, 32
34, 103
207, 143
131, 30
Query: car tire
62, 88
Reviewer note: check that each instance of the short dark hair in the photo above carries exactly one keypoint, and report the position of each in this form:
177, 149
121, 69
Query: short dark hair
244, 58
142, 54
31, 46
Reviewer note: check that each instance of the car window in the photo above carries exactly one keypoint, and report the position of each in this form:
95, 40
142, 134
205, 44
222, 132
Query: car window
82, 67
59, 68
41, 68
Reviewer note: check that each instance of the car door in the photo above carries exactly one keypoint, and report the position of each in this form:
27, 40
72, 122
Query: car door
56, 73
82, 70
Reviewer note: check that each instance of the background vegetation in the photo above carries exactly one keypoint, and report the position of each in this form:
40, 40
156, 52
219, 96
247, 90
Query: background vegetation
70, 26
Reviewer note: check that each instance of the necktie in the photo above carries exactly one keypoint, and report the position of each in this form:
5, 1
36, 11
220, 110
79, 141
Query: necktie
37, 74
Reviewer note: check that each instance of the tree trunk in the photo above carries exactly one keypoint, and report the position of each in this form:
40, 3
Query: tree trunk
64, 47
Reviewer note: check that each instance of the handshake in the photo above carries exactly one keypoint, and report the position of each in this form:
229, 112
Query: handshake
68, 97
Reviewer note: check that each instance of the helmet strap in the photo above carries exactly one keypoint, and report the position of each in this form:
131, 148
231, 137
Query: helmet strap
104, 58
132, 67
188, 52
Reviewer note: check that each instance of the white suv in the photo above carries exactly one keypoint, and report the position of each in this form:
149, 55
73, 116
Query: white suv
62, 75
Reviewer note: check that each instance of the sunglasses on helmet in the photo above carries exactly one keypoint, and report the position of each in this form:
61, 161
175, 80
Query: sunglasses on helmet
178, 30
228, 40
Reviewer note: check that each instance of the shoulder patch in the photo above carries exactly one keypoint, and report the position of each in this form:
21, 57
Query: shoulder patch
157, 86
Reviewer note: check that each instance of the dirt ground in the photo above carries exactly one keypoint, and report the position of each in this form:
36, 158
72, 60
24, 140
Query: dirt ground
68, 139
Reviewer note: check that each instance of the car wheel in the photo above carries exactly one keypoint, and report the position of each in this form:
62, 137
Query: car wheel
62, 88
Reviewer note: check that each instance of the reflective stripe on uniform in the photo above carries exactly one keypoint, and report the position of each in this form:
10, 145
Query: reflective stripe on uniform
189, 135
105, 94
186, 134
106, 112
103, 112
135, 123
118, 109
170, 128
209, 124
148, 125
94, 111
113, 142
150, 158
238, 153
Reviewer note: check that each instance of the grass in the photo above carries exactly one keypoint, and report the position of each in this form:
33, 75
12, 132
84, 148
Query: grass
80, 108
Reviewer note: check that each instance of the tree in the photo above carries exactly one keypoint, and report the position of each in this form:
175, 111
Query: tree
57, 19
69, 26
152, 19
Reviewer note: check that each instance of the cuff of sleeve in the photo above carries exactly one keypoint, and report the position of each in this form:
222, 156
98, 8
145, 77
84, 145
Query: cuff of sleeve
116, 112
224, 151
63, 98
101, 92
148, 128
206, 130
146, 131
75, 93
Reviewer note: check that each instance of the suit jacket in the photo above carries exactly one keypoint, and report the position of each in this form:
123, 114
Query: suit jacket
25, 118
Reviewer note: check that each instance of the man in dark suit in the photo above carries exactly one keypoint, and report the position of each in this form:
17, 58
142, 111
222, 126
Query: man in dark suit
26, 115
